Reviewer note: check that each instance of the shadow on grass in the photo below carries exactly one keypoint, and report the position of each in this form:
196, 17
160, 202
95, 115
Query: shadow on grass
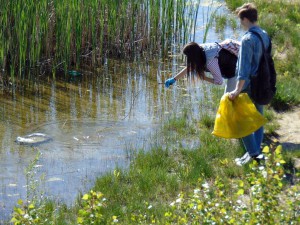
289, 146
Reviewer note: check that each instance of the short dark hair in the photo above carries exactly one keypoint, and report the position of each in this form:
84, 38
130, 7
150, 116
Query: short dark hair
249, 11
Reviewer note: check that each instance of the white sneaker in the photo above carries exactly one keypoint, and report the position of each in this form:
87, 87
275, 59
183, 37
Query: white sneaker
243, 160
260, 156
260, 159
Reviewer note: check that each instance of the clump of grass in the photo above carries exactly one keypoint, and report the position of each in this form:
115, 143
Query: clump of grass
180, 126
272, 125
221, 22
287, 94
207, 121
233, 23
149, 177
233, 4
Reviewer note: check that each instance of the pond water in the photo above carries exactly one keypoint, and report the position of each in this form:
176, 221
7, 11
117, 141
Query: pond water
94, 123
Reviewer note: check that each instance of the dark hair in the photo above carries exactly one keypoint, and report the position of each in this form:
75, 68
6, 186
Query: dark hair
196, 59
249, 11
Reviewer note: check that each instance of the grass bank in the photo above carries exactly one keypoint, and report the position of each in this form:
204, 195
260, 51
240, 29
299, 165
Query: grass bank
173, 184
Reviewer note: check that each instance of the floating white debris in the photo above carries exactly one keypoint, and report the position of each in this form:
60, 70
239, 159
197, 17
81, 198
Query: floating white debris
33, 139
132, 132
75, 138
38, 166
13, 195
52, 179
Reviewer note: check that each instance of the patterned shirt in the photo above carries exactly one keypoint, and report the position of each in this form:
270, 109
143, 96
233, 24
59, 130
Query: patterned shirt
214, 69
213, 64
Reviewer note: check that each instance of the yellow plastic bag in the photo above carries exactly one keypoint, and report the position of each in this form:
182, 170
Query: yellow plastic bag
238, 118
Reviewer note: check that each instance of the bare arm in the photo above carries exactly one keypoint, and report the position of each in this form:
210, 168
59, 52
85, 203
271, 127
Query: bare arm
238, 89
208, 79
183, 73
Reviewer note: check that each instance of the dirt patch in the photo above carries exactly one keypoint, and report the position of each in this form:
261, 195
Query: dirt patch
289, 131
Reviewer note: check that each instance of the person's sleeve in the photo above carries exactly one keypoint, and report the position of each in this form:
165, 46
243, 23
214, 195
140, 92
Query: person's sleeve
214, 69
244, 60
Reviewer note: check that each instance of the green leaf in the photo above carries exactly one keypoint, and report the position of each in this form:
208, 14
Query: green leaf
278, 150
20, 202
14, 220
223, 211
85, 197
266, 149
241, 183
79, 220
19, 211
240, 192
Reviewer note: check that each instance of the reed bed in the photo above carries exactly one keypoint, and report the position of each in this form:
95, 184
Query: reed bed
41, 36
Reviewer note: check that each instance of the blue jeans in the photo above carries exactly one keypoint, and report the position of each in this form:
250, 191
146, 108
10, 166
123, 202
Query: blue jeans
253, 141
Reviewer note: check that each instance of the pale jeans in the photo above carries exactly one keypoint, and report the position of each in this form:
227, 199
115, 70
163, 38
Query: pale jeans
253, 141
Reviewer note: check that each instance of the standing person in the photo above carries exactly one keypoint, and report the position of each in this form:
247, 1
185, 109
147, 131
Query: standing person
209, 58
250, 53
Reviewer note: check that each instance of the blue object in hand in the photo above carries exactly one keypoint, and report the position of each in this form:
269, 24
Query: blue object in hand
169, 82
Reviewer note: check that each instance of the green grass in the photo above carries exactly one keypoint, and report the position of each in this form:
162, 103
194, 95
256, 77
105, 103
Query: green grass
221, 22
157, 176
272, 124
288, 94
207, 121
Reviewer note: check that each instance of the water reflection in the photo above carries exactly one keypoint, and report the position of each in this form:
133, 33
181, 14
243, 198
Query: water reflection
93, 124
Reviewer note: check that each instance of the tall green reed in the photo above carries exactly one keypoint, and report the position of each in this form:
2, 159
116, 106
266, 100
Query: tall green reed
40, 36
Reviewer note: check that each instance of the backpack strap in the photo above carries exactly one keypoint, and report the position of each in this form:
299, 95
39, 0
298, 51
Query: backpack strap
219, 47
262, 42
218, 44
217, 55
